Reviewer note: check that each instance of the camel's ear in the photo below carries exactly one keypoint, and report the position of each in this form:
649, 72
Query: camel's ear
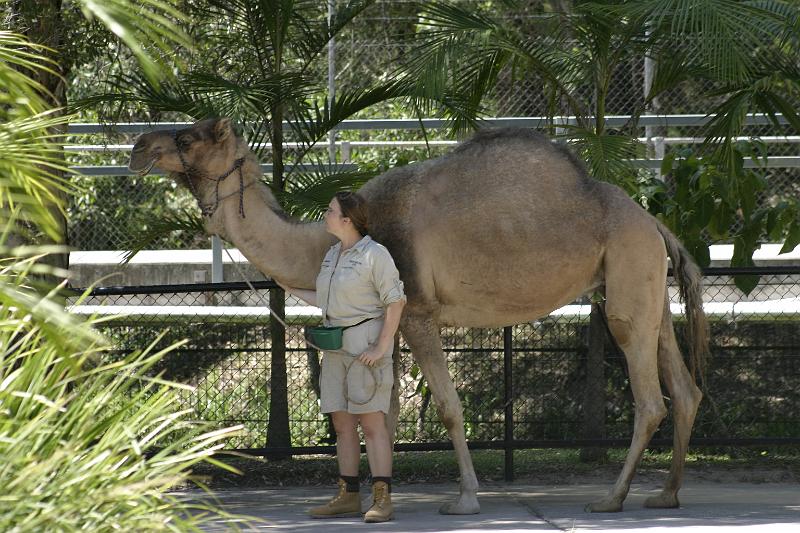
223, 129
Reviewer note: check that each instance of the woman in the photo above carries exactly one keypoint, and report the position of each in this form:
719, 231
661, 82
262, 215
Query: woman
359, 288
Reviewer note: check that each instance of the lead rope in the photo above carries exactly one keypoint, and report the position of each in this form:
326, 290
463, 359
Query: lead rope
377, 373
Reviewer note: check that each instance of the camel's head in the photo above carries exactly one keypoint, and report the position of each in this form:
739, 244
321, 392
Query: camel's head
207, 148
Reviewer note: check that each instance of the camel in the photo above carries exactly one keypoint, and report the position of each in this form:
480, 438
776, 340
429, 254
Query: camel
502, 230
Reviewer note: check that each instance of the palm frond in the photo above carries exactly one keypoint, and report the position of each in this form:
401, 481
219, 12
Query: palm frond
161, 226
311, 121
307, 194
247, 99
450, 34
202, 94
772, 93
716, 34
18, 293
29, 153
670, 71
151, 23
30, 168
25, 57
312, 33
135, 88
606, 155
462, 53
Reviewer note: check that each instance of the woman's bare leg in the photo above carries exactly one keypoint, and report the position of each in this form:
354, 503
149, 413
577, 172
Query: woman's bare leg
379, 445
348, 445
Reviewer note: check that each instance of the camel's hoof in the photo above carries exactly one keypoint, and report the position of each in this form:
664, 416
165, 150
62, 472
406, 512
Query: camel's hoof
604, 506
462, 506
662, 501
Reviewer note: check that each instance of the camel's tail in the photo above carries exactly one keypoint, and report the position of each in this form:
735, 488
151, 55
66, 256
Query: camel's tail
690, 286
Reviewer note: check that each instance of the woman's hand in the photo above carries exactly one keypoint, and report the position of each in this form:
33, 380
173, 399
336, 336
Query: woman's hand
371, 355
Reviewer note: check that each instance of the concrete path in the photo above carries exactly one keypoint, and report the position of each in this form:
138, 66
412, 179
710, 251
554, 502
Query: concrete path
707, 508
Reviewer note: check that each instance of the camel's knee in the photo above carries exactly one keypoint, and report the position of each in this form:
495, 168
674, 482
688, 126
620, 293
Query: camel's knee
621, 328
697, 395
452, 416
686, 404
651, 414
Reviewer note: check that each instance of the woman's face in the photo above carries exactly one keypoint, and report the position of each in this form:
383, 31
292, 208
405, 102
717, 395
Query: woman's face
335, 223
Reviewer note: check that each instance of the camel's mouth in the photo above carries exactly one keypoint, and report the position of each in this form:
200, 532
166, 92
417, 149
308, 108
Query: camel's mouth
144, 171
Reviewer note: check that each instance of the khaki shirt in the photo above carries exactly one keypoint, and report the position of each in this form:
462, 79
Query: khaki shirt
358, 283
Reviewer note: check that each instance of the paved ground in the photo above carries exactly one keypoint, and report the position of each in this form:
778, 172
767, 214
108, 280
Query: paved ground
707, 508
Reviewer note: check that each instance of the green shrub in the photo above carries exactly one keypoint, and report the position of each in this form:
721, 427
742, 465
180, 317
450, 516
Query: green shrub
88, 442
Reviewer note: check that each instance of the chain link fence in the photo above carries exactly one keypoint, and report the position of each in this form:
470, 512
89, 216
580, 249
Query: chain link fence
752, 385
106, 216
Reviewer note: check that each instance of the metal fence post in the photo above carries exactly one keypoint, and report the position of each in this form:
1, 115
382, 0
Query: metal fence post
346, 151
217, 275
331, 80
594, 398
508, 402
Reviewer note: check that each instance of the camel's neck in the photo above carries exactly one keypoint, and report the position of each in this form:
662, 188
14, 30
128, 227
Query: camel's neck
286, 250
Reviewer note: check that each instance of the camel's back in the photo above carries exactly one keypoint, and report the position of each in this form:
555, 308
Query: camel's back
508, 203
497, 171
503, 183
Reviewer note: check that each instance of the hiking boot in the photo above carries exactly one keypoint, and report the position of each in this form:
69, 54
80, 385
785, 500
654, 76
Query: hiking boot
342, 505
381, 510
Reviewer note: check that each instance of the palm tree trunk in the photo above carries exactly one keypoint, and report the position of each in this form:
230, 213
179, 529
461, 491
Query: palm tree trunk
41, 22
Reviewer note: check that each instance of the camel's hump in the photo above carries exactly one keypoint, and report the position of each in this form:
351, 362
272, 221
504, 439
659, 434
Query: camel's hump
499, 151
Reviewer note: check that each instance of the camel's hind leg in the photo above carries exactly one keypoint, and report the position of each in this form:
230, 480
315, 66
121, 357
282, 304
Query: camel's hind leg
422, 336
685, 399
635, 287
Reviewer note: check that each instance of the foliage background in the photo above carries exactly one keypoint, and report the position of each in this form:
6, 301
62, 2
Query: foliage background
393, 45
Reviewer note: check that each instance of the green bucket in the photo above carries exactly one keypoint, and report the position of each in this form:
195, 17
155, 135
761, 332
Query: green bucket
327, 338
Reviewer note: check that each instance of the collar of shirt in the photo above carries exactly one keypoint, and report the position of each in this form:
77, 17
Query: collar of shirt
359, 246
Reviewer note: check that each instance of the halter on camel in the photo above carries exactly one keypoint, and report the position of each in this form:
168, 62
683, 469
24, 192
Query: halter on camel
209, 209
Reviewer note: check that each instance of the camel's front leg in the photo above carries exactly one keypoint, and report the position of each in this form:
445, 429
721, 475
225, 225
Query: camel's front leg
422, 336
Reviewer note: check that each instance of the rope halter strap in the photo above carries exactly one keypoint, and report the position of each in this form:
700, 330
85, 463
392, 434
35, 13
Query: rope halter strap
209, 209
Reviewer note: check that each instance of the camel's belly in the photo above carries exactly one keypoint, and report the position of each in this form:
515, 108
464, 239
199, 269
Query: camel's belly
488, 318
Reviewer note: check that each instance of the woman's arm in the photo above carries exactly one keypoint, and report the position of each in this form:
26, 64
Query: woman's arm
307, 295
385, 340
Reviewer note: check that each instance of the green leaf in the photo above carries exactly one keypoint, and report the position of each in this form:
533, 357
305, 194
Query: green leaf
792, 238
743, 247
703, 209
749, 186
746, 283
700, 252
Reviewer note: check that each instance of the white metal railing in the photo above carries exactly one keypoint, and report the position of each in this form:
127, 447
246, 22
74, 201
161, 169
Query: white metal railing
346, 147
760, 310
752, 119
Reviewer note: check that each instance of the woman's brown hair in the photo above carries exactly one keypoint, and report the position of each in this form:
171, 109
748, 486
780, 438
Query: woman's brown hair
354, 207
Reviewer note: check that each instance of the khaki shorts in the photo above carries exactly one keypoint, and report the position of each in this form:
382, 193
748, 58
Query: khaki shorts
346, 384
